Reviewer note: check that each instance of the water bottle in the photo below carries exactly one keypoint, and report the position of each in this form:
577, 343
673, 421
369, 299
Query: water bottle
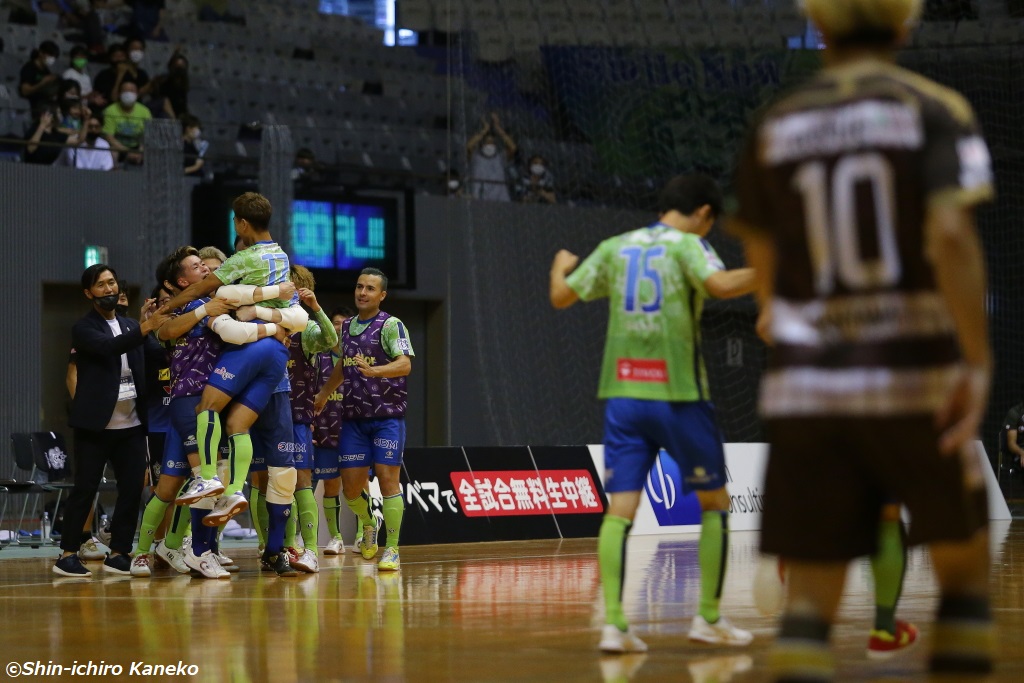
44, 527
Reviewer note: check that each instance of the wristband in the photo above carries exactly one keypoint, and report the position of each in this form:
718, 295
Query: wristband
271, 292
271, 329
200, 312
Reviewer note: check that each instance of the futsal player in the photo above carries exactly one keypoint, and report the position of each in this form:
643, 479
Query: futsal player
376, 358
656, 279
246, 376
326, 429
856, 195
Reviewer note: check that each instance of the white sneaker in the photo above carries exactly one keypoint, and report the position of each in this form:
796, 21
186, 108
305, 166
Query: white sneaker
171, 556
619, 642
224, 560
225, 508
719, 633
336, 546
140, 565
306, 562
206, 564
199, 488
91, 550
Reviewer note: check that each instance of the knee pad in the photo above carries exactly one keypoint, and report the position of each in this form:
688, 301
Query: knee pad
243, 293
280, 485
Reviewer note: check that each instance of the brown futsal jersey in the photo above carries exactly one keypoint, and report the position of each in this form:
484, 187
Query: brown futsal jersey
840, 174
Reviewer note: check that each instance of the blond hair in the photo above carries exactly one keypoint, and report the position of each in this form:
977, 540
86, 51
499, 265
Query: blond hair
302, 278
839, 19
212, 252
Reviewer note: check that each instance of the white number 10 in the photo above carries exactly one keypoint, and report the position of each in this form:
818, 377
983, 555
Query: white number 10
832, 229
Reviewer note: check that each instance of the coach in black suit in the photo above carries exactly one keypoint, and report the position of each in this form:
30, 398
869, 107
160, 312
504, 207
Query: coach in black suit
108, 414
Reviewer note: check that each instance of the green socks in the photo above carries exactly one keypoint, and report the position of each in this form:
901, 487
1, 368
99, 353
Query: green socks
151, 518
611, 557
712, 553
290, 526
309, 517
180, 522
361, 507
254, 512
239, 460
332, 513
888, 565
394, 509
208, 436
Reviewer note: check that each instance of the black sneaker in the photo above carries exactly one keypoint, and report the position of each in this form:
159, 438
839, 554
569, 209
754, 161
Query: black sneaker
118, 564
278, 563
70, 566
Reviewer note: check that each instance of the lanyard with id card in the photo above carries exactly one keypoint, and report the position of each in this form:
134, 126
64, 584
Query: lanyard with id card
126, 392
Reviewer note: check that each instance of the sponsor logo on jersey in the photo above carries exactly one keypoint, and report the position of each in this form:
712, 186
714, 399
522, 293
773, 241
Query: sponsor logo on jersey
171, 465
404, 346
223, 372
642, 370
291, 447
389, 444
349, 361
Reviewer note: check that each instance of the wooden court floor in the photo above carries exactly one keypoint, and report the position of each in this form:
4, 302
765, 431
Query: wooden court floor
524, 611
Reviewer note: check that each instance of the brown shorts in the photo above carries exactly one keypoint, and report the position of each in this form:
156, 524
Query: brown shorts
827, 479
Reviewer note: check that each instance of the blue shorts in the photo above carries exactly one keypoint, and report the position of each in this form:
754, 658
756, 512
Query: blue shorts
635, 429
302, 441
272, 444
367, 442
325, 464
183, 426
250, 373
175, 462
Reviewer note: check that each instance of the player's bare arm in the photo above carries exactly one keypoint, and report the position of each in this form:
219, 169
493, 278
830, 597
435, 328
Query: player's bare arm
562, 295
953, 247
333, 382
207, 285
1011, 443
729, 284
399, 367
760, 253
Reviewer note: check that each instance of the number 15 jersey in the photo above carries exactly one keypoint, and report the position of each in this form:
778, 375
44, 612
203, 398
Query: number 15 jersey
654, 280
840, 174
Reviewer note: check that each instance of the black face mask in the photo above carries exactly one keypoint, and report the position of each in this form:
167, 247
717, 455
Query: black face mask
91, 138
107, 303
121, 309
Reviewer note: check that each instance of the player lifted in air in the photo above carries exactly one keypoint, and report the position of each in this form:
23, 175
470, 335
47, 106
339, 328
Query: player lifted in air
656, 279
856, 195
246, 376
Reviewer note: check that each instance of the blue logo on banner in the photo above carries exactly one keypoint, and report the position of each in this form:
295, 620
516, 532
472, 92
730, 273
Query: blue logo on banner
665, 491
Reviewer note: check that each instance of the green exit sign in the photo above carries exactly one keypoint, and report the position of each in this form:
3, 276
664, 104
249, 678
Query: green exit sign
94, 255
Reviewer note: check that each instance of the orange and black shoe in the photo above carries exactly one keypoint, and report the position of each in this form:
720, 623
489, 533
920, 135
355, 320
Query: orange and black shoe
885, 644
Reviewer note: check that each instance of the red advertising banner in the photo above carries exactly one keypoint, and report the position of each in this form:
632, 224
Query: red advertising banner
509, 493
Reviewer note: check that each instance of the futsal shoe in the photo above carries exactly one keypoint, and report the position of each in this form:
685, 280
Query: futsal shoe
368, 544
719, 633
278, 564
305, 561
389, 561
90, 550
227, 564
171, 556
140, 565
225, 508
199, 488
883, 644
616, 641
206, 564
103, 535
336, 546
70, 565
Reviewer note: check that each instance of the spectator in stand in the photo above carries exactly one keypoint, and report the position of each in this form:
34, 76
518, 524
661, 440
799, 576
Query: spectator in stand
455, 188
213, 257
194, 146
37, 83
147, 16
77, 71
106, 81
125, 121
73, 115
45, 132
536, 184
488, 165
92, 152
172, 87
136, 55
304, 167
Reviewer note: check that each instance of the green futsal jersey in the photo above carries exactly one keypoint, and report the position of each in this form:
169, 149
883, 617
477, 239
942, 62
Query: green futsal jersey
654, 280
262, 264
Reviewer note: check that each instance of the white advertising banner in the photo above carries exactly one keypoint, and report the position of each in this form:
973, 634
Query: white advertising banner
667, 510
